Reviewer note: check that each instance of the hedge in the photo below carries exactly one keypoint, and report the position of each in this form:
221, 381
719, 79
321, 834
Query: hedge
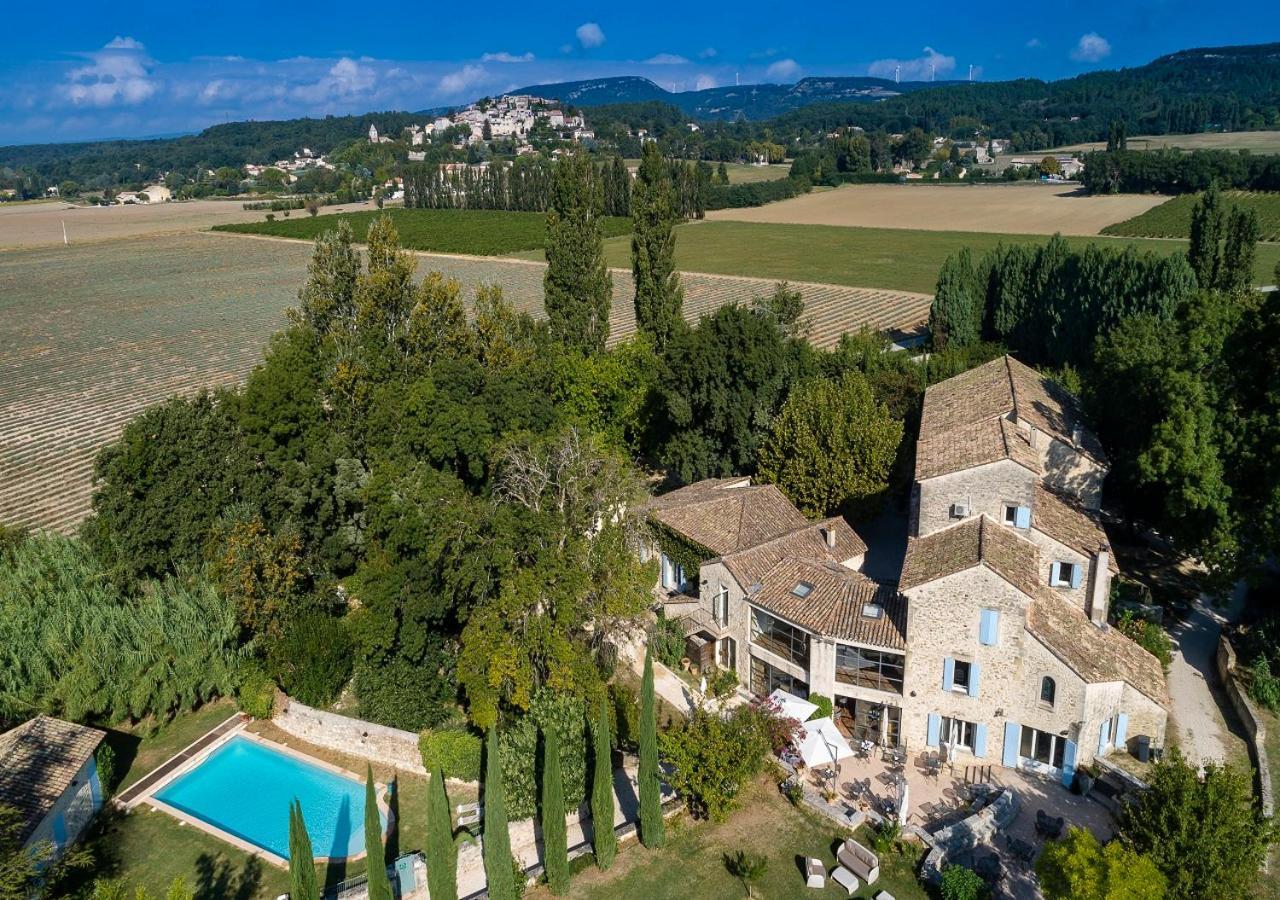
454, 751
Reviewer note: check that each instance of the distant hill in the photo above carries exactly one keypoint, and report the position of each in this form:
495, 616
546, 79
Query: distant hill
748, 101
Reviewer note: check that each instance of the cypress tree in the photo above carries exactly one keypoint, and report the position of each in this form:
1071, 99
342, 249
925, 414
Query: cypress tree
1205, 251
302, 867
379, 884
606, 842
497, 840
1240, 250
442, 860
578, 288
955, 317
659, 296
652, 827
555, 840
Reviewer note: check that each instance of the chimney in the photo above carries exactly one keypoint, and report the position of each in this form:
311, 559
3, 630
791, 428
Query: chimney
1076, 435
829, 533
1034, 440
1100, 588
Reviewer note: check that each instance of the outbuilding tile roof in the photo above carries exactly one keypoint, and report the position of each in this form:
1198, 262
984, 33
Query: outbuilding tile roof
836, 604
38, 762
727, 514
975, 541
809, 541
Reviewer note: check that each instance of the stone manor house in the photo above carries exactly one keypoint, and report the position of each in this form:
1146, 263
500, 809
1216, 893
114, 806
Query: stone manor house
994, 643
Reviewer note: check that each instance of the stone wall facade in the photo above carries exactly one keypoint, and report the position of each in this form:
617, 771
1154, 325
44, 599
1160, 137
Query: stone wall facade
389, 746
1068, 470
987, 489
1253, 723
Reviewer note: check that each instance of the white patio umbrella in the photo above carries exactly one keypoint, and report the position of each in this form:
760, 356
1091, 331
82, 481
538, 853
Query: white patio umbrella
822, 744
904, 792
791, 706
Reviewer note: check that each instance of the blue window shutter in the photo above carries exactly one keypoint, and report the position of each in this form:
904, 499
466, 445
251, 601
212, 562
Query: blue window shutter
1012, 735
974, 671
1104, 737
666, 571
1122, 729
1075, 575
1055, 573
681, 581
979, 740
1022, 518
935, 726
948, 673
989, 629
1068, 764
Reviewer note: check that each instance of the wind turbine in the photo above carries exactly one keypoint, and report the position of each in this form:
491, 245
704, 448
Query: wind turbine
897, 70
932, 71
971, 71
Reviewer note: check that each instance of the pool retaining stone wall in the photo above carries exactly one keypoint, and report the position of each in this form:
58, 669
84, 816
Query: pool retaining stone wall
378, 743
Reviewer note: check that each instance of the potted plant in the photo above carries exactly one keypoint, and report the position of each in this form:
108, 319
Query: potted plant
1085, 778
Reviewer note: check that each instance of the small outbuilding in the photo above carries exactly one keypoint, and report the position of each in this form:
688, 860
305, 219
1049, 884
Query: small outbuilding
49, 774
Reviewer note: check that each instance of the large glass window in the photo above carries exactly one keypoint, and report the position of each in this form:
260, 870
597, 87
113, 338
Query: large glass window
869, 668
720, 606
865, 720
765, 679
1042, 746
956, 732
778, 637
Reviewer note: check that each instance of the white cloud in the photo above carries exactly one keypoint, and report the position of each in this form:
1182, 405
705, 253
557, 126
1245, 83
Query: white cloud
1033, 43
666, 59
1091, 47
345, 80
456, 82
930, 65
782, 70
704, 82
707, 53
590, 35
118, 73
504, 57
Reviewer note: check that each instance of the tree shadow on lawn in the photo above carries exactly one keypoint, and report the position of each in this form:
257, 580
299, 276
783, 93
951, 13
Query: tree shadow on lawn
218, 879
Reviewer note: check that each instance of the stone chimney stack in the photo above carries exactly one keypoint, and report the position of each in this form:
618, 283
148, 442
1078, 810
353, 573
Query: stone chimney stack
829, 532
1100, 587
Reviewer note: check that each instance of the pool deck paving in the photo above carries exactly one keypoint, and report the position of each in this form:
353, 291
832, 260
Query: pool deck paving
144, 787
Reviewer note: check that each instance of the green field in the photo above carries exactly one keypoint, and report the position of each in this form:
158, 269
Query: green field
1253, 141
1173, 217
896, 259
472, 231
741, 173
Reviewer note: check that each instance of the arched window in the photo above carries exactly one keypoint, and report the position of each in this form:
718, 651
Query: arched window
1048, 690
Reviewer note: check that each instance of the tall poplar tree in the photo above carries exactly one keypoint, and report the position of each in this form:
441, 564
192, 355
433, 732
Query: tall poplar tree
497, 840
652, 827
602, 803
379, 883
555, 840
955, 317
302, 866
1208, 226
578, 288
1240, 250
659, 296
442, 858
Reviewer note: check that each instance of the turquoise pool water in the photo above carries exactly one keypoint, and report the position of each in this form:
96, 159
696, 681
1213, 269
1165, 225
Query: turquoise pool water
245, 789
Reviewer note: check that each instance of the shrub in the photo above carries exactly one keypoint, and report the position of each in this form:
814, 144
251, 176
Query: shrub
886, 837
271, 217
312, 659
1147, 635
666, 637
398, 693
256, 694
722, 683
1263, 686
452, 750
780, 730
710, 757
105, 759
959, 883
518, 749
625, 705
824, 706
793, 790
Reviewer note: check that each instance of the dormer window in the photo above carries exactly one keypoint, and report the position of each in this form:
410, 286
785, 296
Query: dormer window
802, 589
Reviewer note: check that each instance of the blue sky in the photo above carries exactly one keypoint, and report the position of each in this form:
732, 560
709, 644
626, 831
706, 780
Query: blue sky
84, 70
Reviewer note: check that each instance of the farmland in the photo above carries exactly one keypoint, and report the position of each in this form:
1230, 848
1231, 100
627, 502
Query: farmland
742, 173
1253, 141
92, 335
1012, 209
476, 232
1172, 219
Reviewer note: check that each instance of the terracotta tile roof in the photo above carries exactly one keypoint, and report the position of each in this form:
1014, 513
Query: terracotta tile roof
1004, 388
1066, 521
1095, 654
834, 607
727, 514
749, 566
975, 541
38, 761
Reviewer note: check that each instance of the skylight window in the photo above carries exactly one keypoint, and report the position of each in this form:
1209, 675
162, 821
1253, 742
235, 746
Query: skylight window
802, 589
872, 610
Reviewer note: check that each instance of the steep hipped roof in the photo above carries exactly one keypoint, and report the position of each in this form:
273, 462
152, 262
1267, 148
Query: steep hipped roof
975, 541
749, 565
836, 603
1067, 522
38, 761
1001, 389
727, 514
1096, 654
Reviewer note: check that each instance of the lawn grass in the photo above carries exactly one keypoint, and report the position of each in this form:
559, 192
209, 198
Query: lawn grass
692, 863
142, 747
896, 259
1173, 217
1269, 885
478, 232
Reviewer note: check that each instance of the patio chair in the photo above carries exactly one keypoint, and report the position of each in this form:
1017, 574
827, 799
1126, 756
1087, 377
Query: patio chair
845, 879
815, 873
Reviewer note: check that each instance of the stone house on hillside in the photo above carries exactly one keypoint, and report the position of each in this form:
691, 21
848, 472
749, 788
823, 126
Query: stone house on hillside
993, 644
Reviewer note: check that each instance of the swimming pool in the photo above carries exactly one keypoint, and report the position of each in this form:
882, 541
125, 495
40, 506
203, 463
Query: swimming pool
244, 788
